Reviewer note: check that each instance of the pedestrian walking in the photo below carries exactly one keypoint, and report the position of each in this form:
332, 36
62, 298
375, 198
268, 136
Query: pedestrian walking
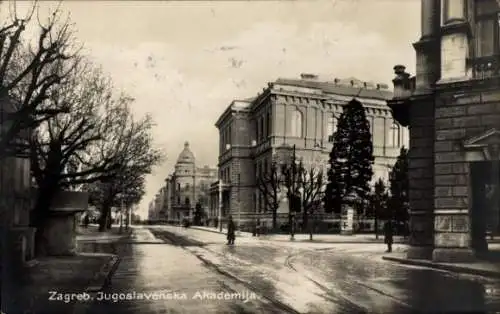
388, 233
230, 231
86, 220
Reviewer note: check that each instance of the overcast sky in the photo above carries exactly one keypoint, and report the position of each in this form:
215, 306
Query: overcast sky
185, 61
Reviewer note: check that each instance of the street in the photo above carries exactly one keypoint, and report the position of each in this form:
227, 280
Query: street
280, 278
164, 278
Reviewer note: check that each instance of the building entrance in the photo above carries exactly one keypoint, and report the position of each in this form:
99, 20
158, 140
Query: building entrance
485, 205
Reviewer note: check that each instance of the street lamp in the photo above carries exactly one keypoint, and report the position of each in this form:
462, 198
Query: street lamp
239, 205
220, 205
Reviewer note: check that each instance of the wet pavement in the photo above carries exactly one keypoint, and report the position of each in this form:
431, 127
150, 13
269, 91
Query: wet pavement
164, 278
344, 278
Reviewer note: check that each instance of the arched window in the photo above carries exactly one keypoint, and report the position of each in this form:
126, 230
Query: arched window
296, 125
394, 135
188, 201
331, 127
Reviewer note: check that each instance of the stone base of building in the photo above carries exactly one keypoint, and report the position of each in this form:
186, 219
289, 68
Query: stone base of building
453, 255
419, 252
21, 245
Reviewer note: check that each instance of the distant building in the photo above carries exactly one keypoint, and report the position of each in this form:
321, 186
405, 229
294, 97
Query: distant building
186, 187
297, 112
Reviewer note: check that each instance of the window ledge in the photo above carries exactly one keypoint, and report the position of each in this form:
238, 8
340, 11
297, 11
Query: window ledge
484, 67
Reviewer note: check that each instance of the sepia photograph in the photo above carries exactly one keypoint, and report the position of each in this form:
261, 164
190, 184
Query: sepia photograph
249, 156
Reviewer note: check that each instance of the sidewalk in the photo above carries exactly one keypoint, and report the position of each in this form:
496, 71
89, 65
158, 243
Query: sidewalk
44, 285
79, 274
484, 268
317, 238
91, 233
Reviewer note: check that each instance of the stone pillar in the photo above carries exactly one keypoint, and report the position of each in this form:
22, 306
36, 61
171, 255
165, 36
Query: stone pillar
421, 177
430, 17
427, 48
347, 222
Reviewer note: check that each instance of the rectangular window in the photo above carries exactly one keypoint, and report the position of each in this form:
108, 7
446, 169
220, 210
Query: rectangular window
485, 38
268, 118
453, 10
257, 129
487, 28
262, 128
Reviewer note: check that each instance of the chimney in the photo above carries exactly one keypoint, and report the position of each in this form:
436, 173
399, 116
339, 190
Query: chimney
402, 82
308, 76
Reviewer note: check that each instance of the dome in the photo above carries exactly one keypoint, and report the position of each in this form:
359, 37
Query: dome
186, 156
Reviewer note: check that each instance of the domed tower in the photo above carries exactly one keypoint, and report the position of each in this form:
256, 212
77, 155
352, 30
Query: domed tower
185, 179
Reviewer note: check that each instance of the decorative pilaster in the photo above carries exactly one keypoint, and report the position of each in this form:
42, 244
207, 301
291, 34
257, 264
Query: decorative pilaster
456, 33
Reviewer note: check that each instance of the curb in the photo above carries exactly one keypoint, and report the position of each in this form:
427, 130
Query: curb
216, 231
446, 267
103, 277
263, 238
100, 280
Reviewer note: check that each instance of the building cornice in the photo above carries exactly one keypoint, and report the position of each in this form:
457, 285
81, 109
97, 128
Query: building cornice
468, 83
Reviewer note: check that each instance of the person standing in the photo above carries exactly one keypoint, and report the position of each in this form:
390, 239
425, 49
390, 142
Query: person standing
86, 220
230, 231
388, 233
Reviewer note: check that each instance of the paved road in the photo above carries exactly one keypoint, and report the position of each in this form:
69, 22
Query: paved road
338, 278
174, 280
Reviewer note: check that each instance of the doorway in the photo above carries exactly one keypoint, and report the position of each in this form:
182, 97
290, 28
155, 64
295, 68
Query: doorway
485, 205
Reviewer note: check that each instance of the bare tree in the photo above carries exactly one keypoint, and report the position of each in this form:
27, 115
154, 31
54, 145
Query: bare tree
312, 183
136, 156
269, 185
31, 71
125, 189
79, 146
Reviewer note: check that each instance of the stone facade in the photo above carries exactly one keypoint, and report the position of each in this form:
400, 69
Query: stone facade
183, 189
297, 112
453, 109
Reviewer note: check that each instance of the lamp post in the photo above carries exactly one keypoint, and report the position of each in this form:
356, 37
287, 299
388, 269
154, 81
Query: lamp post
220, 205
239, 205
121, 211
318, 148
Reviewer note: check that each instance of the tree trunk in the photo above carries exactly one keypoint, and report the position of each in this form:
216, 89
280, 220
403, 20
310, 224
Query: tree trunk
41, 213
311, 226
105, 217
275, 217
305, 219
109, 223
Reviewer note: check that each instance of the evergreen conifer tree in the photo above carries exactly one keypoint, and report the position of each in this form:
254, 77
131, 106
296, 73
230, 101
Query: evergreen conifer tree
351, 159
399, 187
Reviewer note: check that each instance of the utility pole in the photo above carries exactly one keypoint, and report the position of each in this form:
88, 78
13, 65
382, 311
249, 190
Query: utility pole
294, 183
